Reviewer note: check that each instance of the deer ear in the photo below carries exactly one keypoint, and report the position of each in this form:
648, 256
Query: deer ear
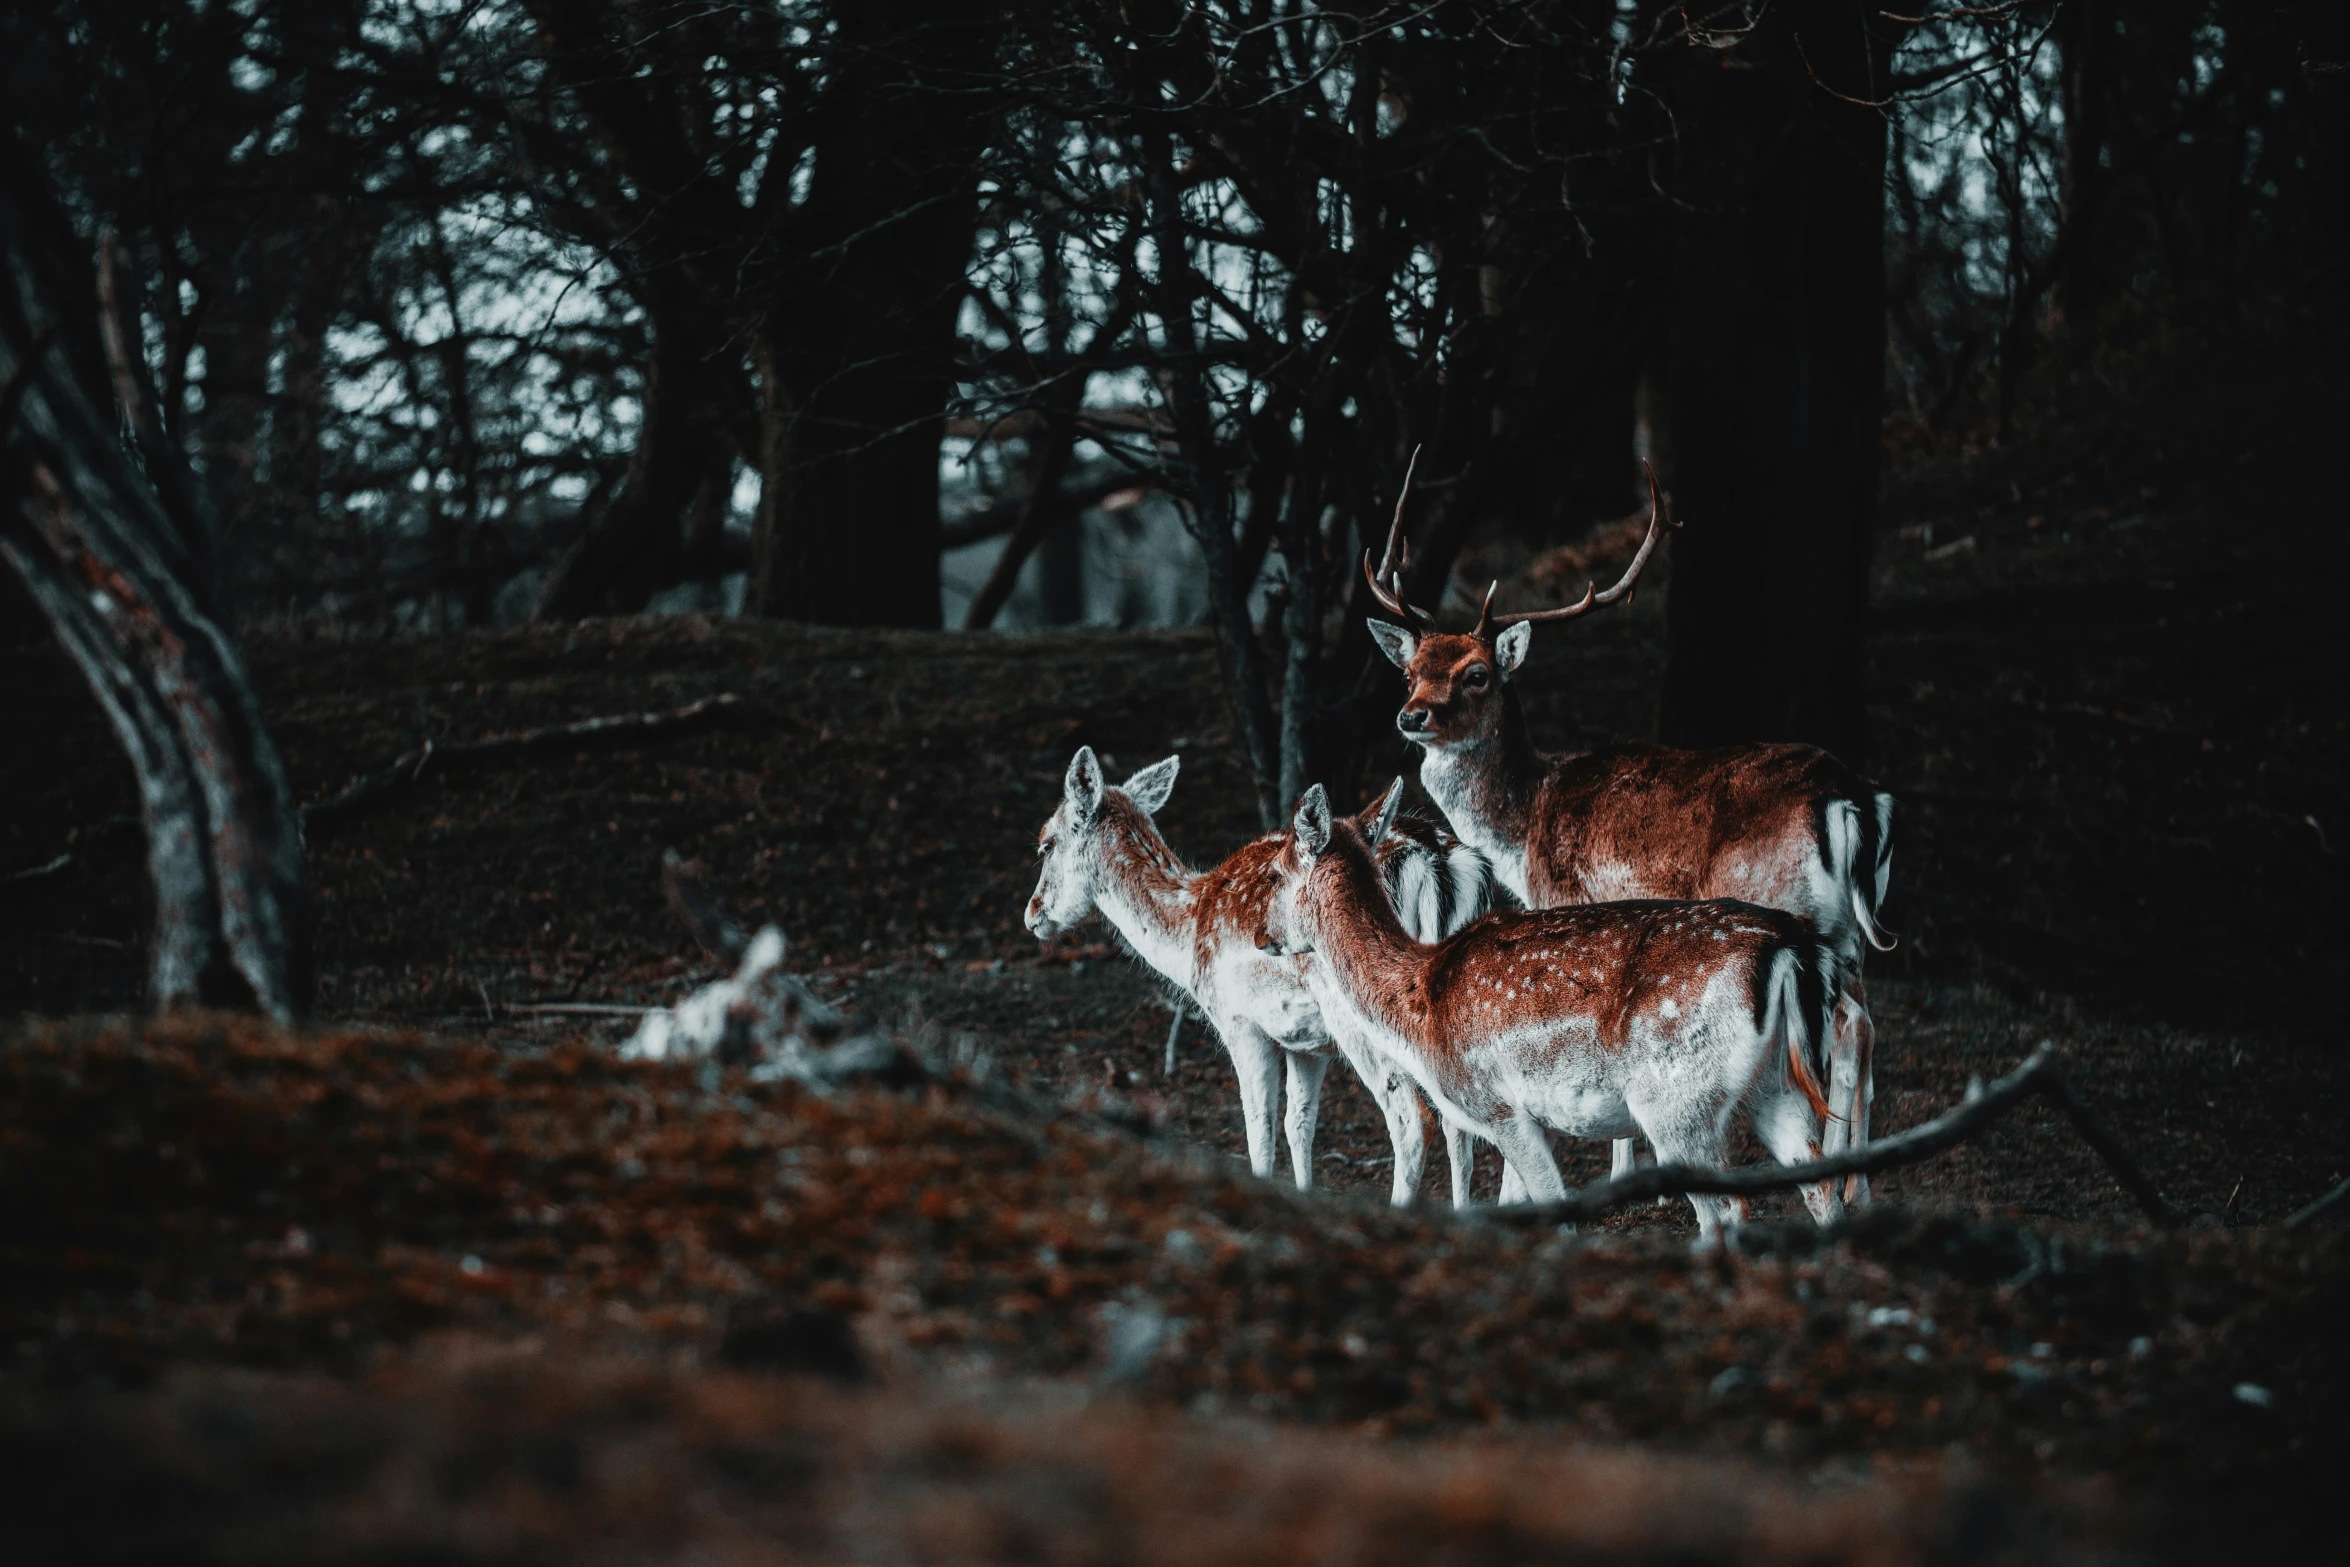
1150, 787
1083, 786
1398, 644
1509, 649
1389, 805
1312, 823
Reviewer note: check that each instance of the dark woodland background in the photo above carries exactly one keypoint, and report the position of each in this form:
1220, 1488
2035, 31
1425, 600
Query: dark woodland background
952, 385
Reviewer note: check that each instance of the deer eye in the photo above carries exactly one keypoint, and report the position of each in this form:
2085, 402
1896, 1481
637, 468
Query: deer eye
1476, 678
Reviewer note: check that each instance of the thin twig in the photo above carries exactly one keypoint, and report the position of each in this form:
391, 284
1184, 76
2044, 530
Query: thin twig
2037, 1075
36, 872
1173, 1029
580, 1008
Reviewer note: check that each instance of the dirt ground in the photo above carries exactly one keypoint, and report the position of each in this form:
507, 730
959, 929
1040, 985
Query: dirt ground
2105, 685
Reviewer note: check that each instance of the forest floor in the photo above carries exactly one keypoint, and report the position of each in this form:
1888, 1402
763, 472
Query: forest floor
2105, 685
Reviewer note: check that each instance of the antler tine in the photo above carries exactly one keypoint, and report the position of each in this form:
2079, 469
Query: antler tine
1388, 599
1395, 559
1484, 629
1658, 521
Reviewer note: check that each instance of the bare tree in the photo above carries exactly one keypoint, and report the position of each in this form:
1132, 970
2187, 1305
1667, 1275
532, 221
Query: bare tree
111, 555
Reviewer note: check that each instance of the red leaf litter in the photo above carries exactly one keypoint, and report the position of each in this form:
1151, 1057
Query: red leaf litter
451, 1296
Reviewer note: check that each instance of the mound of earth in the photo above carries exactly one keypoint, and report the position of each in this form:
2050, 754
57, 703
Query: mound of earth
475, 1453
211, 1191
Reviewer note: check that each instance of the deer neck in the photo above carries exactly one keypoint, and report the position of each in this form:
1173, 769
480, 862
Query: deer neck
1146, 895
1376, 970
1486, 789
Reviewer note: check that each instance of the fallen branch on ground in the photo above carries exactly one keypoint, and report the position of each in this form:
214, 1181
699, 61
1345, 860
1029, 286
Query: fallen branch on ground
578, 1008
2318, 1207
36, 872
2037, 1076
615, 729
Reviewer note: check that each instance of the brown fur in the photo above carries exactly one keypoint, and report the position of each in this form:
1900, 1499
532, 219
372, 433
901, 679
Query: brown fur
1632, 820
1233, 899
1723, 823
1230, 901
1611, 962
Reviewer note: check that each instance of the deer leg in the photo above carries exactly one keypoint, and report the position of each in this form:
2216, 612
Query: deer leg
1624, 1158
1843, 1078
1398, 1099
1791, 1132
1693, 1132
1407, 1135
1513, 1185
1864, 1091
1460, 1146
1303, 1110
1408, 1132
1850, 1085
1526, 1150
1256, 1059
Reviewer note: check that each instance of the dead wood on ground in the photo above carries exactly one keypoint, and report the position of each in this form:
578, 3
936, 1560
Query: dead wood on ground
2038, 1075
613, 729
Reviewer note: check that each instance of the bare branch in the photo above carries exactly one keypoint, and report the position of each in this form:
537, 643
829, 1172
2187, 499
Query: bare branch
2038, 1075
2318, 1207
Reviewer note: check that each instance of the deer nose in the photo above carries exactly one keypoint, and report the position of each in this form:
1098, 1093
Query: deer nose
1413, 720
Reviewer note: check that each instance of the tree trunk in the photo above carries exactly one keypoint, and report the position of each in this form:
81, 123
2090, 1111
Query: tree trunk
1046, 518
2085, 58
847, 531
1774, 379
90, 538
642, 541
859, 350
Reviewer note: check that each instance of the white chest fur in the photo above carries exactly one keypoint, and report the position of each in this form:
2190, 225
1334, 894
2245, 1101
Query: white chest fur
1445, 776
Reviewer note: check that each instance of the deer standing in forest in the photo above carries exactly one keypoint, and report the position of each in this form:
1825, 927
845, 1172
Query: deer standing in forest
1592, 1019
1200, 930
1785, 826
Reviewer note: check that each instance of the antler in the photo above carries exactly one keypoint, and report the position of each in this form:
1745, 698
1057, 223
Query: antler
1658, 521
1395, 560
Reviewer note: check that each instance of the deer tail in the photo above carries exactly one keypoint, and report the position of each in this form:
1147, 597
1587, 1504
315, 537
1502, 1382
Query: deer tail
1469, 878
1805, 981
1860, 860
1437, 882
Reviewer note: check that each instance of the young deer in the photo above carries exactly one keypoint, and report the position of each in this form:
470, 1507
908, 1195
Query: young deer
1594, 1019
1200, 930
1785, 826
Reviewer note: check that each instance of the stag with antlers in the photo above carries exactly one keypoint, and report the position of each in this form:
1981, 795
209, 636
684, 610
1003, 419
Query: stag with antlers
1200, 930
1788, 827
1594, 1020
